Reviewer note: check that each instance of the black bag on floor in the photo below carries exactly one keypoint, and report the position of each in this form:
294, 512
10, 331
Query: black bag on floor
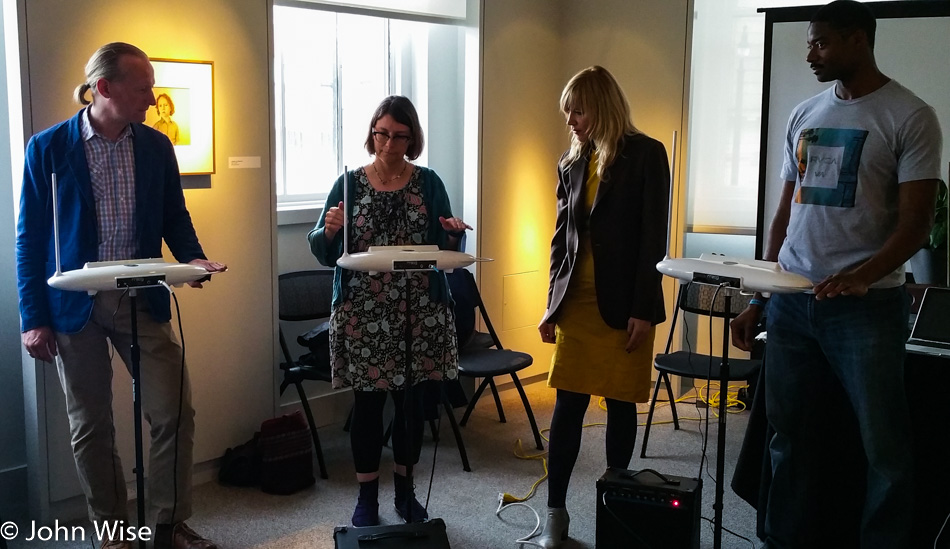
286, 455
416, 535
241, 465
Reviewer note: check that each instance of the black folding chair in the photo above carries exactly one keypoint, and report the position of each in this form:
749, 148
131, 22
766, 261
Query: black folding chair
483, 358
697, 299
305, 295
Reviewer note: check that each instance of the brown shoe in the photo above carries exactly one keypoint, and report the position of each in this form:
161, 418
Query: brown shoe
115, 544
179, 536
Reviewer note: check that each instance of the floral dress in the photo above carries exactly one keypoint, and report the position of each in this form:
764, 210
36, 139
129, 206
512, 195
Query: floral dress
368, 328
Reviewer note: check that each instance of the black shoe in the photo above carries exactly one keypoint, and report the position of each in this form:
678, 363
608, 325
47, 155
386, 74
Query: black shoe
405, 502
367, 505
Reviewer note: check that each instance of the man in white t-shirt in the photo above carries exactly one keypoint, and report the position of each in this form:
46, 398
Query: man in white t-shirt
861, 171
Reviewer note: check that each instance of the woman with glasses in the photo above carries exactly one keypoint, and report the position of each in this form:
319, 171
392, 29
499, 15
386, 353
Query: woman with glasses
392, 202
604, 297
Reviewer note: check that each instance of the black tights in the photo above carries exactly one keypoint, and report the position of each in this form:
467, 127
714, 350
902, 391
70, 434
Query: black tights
366, 429
566, 427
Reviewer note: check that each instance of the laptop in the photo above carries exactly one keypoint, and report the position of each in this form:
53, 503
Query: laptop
931, 332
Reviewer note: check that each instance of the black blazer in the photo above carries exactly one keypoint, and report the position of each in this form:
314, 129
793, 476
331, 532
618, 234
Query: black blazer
628, 228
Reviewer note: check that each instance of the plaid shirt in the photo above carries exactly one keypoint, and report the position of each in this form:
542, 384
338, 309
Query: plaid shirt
112, 172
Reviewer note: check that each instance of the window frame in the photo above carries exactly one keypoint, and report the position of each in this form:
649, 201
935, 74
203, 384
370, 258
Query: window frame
297, 207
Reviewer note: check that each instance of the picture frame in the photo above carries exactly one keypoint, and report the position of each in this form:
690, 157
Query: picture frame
184, 111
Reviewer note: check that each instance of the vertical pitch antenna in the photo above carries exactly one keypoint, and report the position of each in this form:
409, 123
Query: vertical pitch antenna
346, 211
59, 267
669, 220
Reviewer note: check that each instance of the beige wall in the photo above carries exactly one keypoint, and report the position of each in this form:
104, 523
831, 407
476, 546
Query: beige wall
522, 135
530, 51
229, 325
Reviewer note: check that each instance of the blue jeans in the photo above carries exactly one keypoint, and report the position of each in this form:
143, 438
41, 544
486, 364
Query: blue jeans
835, 371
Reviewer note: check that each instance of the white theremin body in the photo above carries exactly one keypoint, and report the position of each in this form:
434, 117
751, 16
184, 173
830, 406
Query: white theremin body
381, 259
746, 274
104, 276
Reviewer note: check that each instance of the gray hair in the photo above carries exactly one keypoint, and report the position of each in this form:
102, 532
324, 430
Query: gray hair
105, 64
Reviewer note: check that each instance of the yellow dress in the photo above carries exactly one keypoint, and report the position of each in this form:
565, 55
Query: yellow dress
589, 356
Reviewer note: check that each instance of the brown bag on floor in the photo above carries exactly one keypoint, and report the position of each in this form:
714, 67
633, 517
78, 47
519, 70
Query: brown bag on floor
286, 455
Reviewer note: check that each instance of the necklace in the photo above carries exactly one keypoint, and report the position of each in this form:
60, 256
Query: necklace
391, 179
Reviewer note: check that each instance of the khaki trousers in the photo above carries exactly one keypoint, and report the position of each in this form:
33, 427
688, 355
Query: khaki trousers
85, 371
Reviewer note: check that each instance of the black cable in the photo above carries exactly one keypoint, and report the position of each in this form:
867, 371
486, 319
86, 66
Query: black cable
698, 399
724, 529
940, 533
712, 305
438, 438
181, 397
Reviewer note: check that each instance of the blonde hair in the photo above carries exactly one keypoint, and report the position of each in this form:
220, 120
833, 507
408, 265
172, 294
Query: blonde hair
104, 64
595, 92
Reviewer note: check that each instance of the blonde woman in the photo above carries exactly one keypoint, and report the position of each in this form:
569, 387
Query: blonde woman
604, 297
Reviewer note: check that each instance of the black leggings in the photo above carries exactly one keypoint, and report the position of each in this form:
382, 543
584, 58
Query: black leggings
566, 428
366, 428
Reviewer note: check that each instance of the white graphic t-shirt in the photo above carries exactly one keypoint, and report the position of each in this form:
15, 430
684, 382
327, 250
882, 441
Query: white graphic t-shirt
847, 158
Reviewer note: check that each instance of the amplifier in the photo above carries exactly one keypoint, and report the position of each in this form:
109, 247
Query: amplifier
647, 510
416, 535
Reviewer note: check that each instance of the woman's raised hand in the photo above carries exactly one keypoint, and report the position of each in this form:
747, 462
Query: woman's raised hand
333, 221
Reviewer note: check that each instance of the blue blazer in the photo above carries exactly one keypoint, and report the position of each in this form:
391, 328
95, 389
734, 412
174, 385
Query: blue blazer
160, 214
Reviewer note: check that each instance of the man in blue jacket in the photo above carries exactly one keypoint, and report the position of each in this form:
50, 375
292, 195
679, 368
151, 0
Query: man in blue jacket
119, 196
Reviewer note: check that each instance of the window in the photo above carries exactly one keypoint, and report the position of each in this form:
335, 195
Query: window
725, 124
331, 71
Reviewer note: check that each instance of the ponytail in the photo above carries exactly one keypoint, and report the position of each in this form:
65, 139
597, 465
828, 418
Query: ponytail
80, 94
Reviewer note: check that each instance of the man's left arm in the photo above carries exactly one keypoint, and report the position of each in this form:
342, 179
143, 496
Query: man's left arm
916, 200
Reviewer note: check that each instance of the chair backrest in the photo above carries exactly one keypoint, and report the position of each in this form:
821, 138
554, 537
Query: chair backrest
699, 299
471, 293
305, 295
463, 293
708, 300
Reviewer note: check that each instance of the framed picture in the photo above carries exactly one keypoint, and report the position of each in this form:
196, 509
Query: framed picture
184, 111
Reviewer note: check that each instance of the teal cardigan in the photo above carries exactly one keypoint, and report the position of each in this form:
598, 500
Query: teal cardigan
437, 205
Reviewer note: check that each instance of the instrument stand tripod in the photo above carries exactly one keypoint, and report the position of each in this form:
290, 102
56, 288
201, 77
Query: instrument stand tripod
137, 417
425, 535
721, 434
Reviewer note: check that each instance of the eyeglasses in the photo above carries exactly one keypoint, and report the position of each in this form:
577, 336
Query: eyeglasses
382, 138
